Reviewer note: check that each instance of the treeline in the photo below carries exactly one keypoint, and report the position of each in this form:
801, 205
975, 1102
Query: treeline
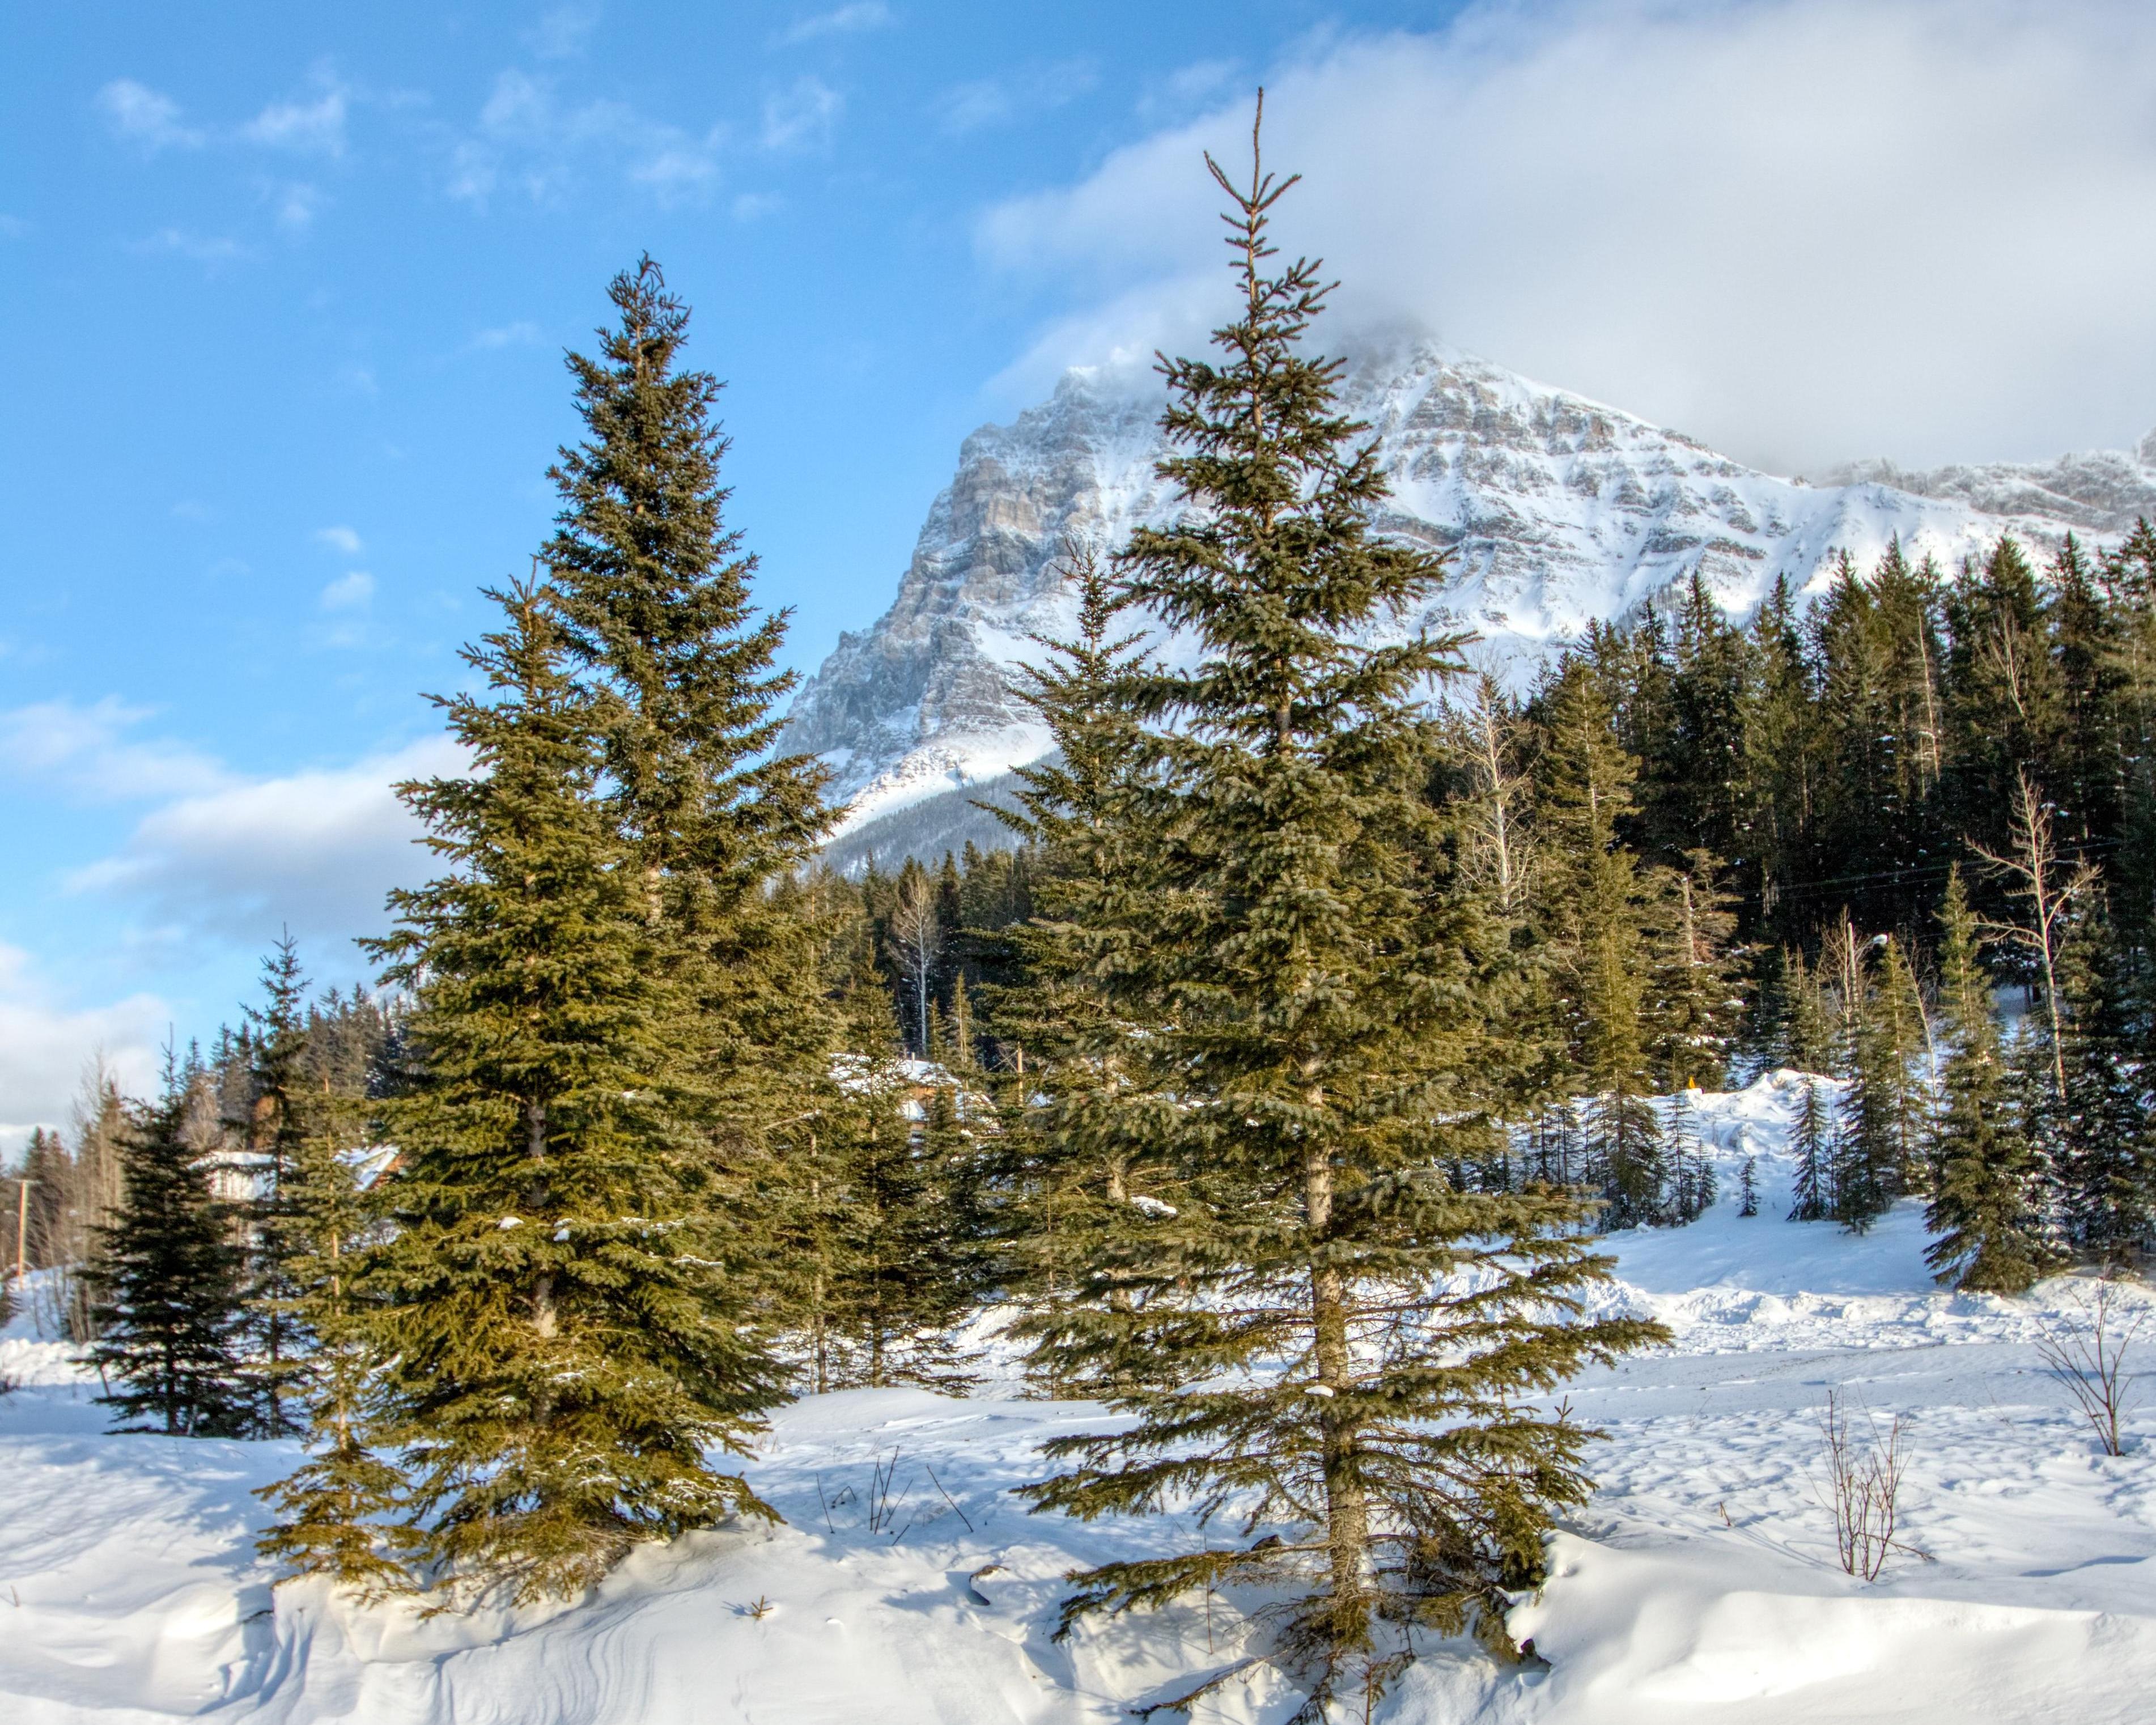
1299, 1046
1719, 849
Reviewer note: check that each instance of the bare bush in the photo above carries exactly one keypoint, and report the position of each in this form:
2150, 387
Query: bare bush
1863, 1489
2085, 1349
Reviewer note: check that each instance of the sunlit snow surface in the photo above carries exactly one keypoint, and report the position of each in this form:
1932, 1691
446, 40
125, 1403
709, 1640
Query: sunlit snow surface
1699, 1585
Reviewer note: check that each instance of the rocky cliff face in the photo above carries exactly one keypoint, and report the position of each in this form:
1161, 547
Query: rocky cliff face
1556, 510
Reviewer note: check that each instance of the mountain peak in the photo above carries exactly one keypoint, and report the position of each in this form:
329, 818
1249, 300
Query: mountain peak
1557, 510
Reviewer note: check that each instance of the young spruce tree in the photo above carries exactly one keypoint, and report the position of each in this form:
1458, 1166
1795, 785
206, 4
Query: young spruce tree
1983, 1202
562, 1344
168, 1287
1334, 1342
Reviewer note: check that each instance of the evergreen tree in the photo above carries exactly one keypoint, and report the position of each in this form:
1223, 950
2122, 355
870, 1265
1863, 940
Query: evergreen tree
2104, 1157
1595, 910
1748, 1188
1077, 1145
1983, 1206
277, 1130
901, 1245
563, 1342
654, 591
335, 1512
1781, 751
167, 1289
1811, 1143
1303, 973
1880, 1143
1692, 1175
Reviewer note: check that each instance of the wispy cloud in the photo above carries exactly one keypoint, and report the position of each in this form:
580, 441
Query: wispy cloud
13, 227
753, 206
146, 117
523, 333
314, 127
343, 539
353, 592
1010, 95
297, 204
527, 139
88, 754
801, 116
561, 31
841, 21
196, 248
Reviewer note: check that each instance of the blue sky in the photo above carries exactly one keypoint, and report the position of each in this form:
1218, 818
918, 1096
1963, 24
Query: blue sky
284, 290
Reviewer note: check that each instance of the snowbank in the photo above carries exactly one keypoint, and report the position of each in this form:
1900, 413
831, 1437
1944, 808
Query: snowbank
1700, 1585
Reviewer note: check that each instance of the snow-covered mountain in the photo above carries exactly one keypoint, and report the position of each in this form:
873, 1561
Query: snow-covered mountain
1558, 511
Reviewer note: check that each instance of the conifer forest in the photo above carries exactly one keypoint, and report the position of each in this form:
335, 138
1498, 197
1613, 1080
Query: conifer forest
1278, 1096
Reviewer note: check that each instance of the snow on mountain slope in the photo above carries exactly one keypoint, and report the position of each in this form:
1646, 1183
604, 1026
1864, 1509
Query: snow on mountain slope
1698, 1586
1558, 511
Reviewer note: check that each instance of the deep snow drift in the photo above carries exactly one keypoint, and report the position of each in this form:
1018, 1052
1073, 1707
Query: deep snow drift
1699, 1585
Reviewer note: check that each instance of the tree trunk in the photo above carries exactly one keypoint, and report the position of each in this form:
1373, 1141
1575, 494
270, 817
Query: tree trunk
1346, 1503
543, 1316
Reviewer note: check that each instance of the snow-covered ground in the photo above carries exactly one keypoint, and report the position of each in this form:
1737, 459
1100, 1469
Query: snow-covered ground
1699, 1585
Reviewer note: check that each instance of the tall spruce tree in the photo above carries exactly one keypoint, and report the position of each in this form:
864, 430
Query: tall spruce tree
1595, 910
654, 594
2103, 1157
1077, 1143
1312, 987
564, 1345
1984, 1205
168, 1291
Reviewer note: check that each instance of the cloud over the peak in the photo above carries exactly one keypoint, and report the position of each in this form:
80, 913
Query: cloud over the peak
1802, 229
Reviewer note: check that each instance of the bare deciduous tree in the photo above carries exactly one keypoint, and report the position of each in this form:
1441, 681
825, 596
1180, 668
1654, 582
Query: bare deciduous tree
916, 937
1502, 854
1863, 1489
2085, 1349
2039, 876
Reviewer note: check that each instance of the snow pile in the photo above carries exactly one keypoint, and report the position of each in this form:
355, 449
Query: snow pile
1699, 1585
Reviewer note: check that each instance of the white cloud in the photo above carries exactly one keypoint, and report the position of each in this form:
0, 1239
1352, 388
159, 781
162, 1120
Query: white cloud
297, 204
527, 140
13, 227
343, 539
45, 1044
801, 116
1801, 229
316, 851
350, 591
144, 116
313, 127
754, 206
523, 333
1026, 89
561, 31
196, 248
86, 752
841, 21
